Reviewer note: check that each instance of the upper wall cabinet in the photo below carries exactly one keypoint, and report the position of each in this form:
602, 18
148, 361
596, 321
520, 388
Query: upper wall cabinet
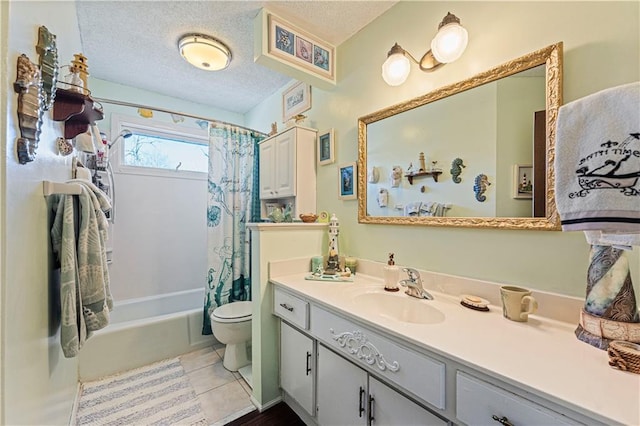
287, 171
278, 166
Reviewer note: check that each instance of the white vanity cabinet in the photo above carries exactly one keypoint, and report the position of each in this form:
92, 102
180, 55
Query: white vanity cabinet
481, 403
287, 170
430, 374
414, 372
388, 407
336, 387
297, 366
291, 308
342, 391
349, 395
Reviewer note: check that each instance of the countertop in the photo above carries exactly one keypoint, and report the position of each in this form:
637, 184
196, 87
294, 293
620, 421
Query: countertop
541, 356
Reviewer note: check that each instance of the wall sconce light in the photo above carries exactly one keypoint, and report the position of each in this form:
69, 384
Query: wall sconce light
448, 45
204, 52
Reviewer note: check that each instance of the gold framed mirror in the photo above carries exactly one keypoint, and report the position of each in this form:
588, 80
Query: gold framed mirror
498, 124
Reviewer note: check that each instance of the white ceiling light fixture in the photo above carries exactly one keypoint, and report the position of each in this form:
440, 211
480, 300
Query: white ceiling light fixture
204, 52
447, 46
450, 41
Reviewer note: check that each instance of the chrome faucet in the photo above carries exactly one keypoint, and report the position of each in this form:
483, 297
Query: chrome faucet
414, 285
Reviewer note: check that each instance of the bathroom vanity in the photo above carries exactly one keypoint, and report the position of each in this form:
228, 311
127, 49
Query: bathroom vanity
352, 353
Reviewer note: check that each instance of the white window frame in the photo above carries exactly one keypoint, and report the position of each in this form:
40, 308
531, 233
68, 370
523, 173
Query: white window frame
157, 128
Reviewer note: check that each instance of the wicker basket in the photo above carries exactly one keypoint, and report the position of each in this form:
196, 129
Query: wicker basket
308, 217
624, 356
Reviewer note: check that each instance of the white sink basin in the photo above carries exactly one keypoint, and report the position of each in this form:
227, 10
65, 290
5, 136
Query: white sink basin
399, 307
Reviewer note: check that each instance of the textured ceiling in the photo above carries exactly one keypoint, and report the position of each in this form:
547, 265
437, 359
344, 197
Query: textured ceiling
135, 43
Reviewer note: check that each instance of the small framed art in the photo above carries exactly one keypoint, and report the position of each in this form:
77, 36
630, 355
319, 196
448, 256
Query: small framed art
347, 181
295, 100
298, 49
523, 181
326, 147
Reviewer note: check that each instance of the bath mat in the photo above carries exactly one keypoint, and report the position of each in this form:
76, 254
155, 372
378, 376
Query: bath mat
157, 394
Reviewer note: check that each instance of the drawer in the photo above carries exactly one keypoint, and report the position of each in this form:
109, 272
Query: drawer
291, 308
410, 370
478, 401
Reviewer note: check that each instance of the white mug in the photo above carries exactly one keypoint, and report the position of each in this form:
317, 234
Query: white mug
517, 303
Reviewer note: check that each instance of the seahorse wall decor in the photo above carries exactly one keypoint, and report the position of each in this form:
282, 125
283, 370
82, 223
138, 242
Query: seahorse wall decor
480, 186
28, 85
456, 170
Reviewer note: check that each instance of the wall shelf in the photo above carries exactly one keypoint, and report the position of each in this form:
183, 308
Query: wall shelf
433, 174
77, 110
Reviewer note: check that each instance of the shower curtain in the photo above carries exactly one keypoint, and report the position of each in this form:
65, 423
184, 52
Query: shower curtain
233, 175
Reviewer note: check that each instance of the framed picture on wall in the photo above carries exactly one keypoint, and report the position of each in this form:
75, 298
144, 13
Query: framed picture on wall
299, 49
326, 147
523, 181
295, 100
347, 174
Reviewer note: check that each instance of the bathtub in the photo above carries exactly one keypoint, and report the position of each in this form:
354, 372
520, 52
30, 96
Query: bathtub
145, 330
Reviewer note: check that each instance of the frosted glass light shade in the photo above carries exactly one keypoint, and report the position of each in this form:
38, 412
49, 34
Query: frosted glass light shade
449, 43
204, 52
395, 69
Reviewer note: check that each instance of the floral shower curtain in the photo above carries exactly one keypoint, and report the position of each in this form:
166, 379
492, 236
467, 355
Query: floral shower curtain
233, 175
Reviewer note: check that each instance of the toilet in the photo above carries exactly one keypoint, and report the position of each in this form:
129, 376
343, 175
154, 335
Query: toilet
231, 325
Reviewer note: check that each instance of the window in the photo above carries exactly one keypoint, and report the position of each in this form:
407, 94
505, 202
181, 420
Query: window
159, 152
159, 148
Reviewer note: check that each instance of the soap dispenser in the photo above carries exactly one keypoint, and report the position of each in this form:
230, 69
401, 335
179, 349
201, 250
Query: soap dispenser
391, 275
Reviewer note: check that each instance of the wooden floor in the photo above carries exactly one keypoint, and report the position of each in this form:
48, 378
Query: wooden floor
278, 415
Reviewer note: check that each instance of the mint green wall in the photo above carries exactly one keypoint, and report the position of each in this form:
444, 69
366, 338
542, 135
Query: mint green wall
434, 130
601, 50
267, 246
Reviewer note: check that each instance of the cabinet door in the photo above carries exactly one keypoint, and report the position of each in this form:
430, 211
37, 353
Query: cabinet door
477, 402
267, 169
285, 166
296, 366
342, 389
388, 407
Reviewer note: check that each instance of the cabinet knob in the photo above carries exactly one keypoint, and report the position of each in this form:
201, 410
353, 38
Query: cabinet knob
308, 362
503, 420
361, 402
287, 307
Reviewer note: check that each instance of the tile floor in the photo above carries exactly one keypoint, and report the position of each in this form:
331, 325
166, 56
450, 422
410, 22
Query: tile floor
223, 395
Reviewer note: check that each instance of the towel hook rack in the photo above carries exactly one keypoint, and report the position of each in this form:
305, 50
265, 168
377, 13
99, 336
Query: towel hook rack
50, 188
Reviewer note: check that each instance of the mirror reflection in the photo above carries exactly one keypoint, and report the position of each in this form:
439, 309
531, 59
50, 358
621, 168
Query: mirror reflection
470, 154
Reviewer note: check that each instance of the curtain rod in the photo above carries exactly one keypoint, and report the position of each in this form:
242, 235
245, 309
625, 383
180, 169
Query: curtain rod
168, 111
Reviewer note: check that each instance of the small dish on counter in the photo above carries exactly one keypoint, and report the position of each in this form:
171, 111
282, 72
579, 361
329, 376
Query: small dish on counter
308, 217
474, 302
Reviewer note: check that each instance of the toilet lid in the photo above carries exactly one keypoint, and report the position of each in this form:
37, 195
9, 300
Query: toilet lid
235, 310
